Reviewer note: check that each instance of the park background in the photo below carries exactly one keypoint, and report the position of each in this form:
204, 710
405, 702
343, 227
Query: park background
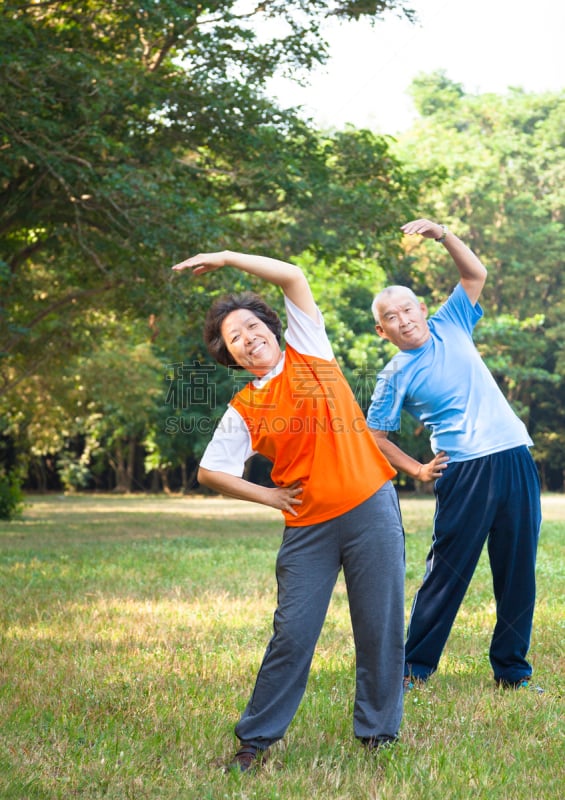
136, 134
135, 610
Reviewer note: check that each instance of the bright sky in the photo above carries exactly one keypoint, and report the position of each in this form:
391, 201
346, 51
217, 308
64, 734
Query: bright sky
485, 45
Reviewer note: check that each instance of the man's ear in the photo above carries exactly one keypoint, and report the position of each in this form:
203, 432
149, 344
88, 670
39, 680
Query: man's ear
424, 308
380, 331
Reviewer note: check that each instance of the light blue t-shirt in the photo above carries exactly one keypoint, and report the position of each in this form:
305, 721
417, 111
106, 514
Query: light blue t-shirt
446, 385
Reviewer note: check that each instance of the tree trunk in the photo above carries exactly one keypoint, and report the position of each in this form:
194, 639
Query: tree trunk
121, 470
130, 466
155, 486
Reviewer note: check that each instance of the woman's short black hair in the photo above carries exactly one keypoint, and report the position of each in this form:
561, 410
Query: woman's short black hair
220, 310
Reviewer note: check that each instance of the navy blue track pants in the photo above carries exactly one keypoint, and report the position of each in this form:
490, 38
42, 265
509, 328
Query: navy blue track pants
495, 499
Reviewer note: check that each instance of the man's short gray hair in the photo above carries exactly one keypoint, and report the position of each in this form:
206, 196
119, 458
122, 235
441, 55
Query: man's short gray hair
385, 293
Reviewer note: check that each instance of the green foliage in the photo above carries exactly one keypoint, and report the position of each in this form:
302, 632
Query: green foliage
11, 494
73, 472
435, 93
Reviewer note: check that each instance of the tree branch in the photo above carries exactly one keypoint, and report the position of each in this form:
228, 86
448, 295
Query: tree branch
56, 306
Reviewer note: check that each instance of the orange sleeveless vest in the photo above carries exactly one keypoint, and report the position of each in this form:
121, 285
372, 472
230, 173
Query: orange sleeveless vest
307, 422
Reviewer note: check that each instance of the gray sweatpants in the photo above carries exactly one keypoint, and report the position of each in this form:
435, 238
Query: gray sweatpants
368, 542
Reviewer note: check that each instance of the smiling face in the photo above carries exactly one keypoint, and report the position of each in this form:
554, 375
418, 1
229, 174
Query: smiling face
402, 319
250, 342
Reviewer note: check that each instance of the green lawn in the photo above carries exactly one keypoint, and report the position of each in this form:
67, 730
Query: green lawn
132, 629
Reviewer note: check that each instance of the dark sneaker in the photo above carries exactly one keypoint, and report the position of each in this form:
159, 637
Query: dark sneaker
378, 742
247, 758
523, 683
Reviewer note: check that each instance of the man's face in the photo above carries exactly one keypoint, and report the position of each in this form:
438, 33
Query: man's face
402, 320
251, 343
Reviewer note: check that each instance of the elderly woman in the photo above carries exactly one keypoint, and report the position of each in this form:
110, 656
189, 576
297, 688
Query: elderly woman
333, 486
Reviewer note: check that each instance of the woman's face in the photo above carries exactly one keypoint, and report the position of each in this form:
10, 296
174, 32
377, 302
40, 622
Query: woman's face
250, 342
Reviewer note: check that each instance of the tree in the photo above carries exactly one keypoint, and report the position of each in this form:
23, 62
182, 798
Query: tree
131, 131
435, 93
131, 134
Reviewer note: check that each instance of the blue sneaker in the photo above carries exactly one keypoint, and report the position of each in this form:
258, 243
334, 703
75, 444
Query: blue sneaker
412, 682
523, 683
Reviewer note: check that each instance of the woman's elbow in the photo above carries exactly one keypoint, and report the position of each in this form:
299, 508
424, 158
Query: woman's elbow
203, 477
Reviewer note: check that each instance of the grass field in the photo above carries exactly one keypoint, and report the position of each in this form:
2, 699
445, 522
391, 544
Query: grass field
132, 629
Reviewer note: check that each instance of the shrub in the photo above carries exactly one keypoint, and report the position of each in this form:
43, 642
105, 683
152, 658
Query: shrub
11, 495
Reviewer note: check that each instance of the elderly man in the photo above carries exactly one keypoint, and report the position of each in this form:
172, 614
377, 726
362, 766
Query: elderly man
486, 483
